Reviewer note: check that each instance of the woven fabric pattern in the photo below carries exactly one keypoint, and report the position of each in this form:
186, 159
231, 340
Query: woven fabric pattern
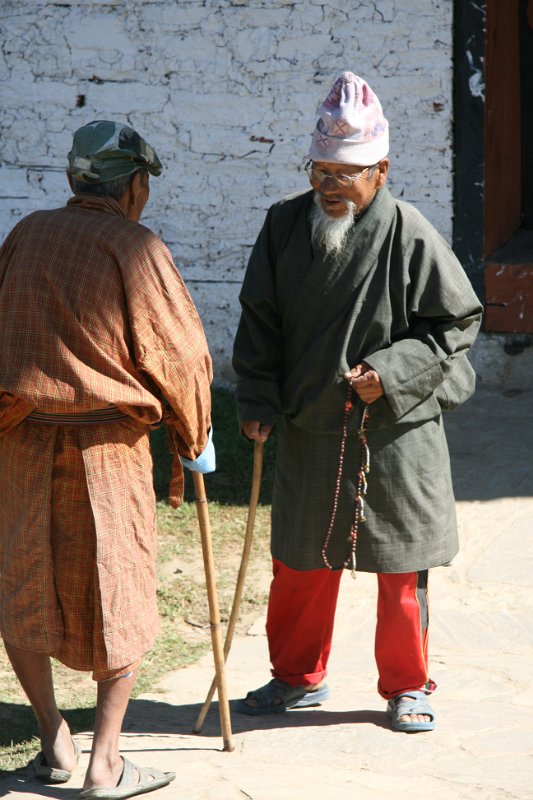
396, 298
77, 543
93, 312
410, 511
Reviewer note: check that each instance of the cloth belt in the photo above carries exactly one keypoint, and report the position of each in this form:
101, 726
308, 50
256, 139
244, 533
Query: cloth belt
95, 417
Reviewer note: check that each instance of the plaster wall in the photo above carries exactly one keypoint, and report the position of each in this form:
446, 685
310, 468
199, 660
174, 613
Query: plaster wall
226, 92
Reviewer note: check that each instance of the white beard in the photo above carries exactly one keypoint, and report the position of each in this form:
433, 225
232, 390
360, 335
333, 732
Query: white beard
329, 233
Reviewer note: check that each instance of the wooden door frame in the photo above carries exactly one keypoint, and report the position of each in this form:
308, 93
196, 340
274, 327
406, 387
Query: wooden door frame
503, 128
487, 234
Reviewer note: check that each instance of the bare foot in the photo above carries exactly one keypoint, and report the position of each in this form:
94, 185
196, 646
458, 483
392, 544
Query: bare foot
104, 773
58, 748
415, 717
130, 777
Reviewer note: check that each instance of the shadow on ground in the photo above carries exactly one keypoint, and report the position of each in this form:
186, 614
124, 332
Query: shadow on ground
18, 724
491, 441
146, 716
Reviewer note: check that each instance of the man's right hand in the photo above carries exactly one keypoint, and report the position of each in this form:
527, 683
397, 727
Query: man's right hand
255, 430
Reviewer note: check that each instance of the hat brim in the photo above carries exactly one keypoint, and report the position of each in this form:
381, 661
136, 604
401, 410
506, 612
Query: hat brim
347, 151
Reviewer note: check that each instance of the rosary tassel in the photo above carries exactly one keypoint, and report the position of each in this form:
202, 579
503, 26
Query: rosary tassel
362, 486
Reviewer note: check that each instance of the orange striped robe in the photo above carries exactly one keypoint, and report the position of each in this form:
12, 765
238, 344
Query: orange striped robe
92, 312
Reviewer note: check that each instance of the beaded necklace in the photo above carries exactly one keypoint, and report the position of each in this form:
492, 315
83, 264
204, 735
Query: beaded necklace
361, 488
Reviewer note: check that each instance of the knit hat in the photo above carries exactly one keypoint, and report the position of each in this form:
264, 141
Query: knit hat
351, 128
103, 151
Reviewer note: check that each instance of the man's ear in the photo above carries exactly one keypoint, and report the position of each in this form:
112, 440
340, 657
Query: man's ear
134, 198
136, 182
383, 171
137, 186
130, 195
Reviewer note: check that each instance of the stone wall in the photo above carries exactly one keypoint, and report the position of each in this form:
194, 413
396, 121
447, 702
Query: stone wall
226, 92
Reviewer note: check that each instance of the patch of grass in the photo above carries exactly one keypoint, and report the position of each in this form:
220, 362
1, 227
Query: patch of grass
230, 483
182, 596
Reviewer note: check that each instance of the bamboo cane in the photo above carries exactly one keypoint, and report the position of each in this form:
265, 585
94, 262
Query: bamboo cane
214, 613
248, 538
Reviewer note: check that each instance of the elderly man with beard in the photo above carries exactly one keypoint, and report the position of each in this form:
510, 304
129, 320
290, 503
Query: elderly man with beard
356, 320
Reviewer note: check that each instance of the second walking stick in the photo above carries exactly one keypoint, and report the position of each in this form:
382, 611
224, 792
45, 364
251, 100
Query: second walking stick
248, 538
214, 614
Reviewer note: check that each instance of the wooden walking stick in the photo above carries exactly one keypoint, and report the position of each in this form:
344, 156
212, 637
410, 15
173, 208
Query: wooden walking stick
214, 613
248, 537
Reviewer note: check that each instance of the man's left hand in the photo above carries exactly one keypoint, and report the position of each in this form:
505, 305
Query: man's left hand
366, 382
206, 461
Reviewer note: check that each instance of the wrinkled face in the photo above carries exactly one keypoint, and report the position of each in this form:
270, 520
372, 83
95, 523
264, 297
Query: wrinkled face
333, 197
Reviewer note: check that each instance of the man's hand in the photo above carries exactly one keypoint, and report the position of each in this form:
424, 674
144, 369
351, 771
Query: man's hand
255, 430
366, 382
206, 461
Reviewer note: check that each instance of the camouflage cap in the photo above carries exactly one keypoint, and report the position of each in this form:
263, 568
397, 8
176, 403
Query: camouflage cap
103, 151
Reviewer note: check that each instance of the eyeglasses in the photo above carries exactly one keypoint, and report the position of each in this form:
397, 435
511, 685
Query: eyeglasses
316, 175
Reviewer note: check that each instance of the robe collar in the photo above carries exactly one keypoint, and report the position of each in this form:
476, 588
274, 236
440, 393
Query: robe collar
95, 203
330, 287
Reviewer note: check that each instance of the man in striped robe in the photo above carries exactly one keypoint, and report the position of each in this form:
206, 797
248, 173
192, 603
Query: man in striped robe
99, 341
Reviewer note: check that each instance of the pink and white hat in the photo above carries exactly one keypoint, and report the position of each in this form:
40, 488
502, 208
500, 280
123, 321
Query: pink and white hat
351, 128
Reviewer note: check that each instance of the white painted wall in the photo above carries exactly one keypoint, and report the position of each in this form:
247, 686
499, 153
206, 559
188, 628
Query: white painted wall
227, 94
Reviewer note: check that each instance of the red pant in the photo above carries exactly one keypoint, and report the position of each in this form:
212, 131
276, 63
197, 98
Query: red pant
300, 617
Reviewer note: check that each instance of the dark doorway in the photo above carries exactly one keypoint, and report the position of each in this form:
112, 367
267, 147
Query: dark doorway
526, 82
508, 239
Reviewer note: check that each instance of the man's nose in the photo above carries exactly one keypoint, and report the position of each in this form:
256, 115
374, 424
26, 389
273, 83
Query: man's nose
329, 185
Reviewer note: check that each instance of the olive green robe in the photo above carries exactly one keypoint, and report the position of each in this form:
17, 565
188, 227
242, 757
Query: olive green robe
398, 299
